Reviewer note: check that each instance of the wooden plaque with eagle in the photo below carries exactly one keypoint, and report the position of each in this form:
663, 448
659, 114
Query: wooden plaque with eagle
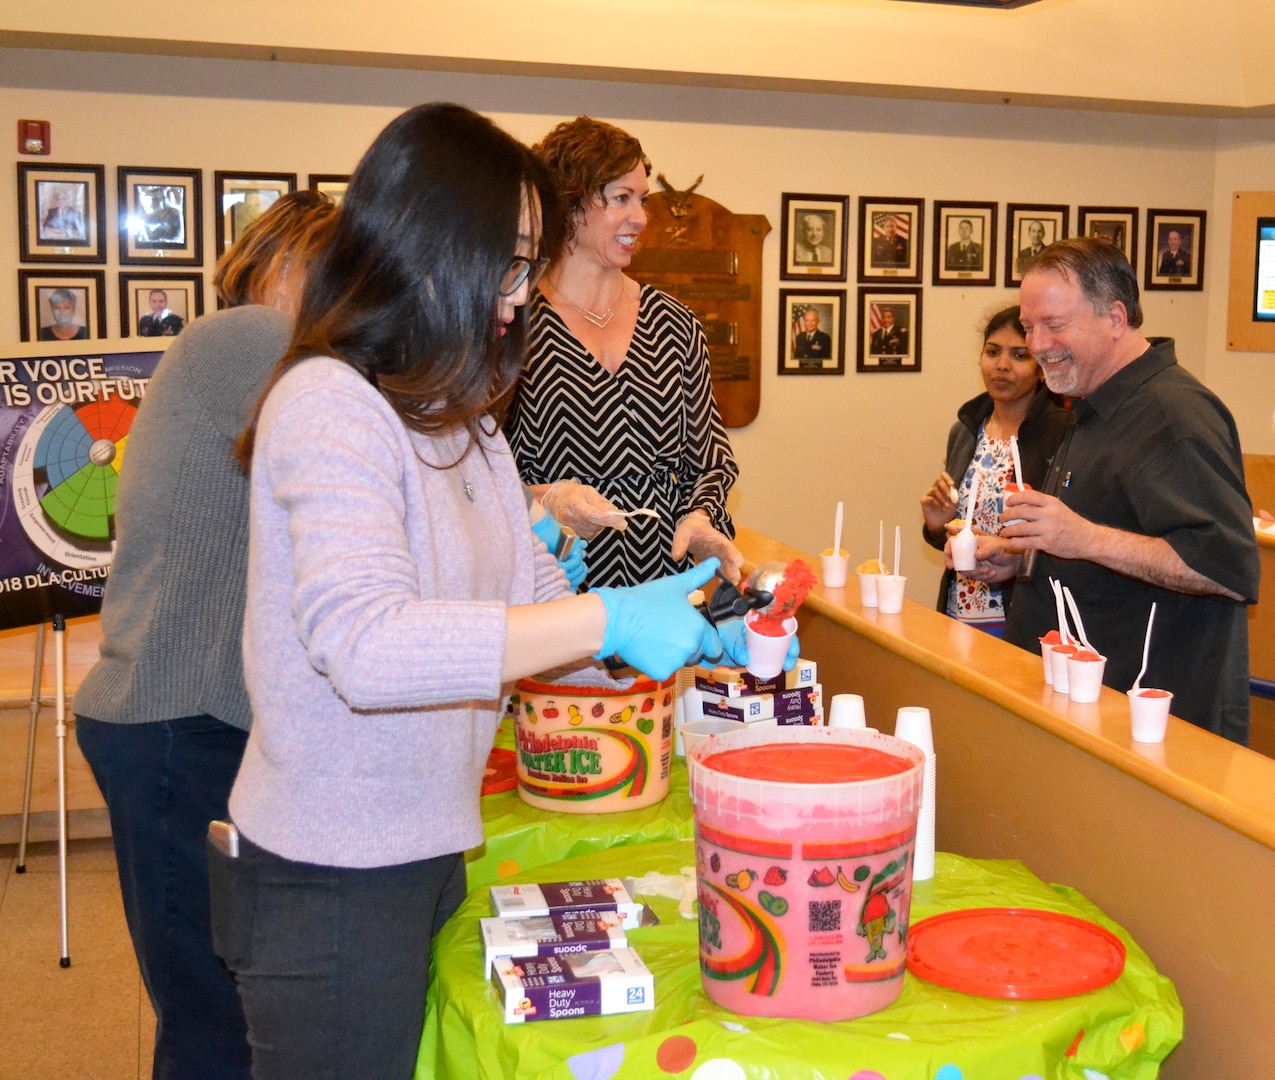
710, 259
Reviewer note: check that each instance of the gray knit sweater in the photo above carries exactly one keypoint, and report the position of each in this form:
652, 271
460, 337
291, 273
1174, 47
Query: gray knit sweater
172, 618
375, 632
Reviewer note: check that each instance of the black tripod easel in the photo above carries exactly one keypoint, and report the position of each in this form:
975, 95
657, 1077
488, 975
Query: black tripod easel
59, 651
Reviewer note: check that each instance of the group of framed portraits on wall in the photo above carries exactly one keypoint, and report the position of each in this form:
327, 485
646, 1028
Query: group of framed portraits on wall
964, 241
62, 219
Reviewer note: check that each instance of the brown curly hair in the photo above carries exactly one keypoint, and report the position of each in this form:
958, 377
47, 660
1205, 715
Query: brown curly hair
583, 156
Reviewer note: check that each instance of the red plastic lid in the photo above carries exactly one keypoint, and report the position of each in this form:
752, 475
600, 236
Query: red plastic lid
501, 773
1017, 953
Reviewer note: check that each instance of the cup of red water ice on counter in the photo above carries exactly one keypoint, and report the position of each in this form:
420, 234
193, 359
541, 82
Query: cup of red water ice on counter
1149, 714
1058, 657
1047, 644
1085, 669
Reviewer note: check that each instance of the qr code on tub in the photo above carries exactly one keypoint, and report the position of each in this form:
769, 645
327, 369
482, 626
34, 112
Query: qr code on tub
825, 916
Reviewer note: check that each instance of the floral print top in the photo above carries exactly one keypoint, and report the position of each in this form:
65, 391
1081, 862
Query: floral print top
992, 467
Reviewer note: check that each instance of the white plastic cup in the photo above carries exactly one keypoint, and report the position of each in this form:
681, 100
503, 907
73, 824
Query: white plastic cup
695, 732
963, 546
835, 569
890, 593
868, 589
1149, 714
1010, 489
1084, 678
847, 711
766, 654
1046, 656
912, 724
1058, 660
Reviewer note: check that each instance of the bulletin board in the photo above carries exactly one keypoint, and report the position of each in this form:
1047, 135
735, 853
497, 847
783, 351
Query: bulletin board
1243, 332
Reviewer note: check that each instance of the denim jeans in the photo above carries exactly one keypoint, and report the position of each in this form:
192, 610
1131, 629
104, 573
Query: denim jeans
332, 962
163, 782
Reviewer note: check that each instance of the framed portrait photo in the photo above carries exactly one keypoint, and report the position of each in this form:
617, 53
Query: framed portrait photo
55, 306
812, 331
332, 185
889, 329
813, 232
890, 239
61, 212
964, 243
1029, 229
1175, 249
159, 305
1118, 224
242, 197
161, 216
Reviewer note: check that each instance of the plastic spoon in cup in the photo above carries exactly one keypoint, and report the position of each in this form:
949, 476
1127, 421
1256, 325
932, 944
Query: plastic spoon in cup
1063, 631
881, 544
1075, 614
1018, 463
897, 536
1146, 652
972, 505
836, 529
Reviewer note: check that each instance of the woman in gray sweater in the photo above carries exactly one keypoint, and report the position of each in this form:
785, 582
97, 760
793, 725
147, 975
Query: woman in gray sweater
394, 590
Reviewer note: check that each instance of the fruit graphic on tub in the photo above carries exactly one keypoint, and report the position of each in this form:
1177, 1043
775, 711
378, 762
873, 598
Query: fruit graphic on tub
876, 921
574, 715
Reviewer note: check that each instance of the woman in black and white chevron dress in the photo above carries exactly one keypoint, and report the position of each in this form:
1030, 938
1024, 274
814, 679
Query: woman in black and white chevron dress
616, 391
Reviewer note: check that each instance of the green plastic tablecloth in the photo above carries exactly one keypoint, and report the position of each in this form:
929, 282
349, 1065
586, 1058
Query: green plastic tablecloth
1121, 1032
520, 838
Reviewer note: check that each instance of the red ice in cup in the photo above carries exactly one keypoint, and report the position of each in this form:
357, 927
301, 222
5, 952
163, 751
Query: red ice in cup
1085, 669
1047, 644
1058, 658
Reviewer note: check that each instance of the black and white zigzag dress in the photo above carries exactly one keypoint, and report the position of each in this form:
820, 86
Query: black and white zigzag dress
649, 435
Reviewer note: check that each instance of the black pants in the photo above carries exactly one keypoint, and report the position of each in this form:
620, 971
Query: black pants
163, 782
332, 963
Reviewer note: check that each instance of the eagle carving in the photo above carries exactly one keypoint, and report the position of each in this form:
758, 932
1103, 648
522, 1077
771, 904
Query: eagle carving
679, 201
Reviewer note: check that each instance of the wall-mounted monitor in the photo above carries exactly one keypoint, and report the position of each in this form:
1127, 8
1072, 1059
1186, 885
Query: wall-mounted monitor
1264, 277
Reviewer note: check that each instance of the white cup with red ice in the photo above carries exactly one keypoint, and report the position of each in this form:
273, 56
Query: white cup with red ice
1085, 669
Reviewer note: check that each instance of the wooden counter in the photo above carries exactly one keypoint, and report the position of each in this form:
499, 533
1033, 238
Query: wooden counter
1175, 841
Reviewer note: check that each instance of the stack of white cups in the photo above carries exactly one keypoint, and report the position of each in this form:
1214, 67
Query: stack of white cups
913, 725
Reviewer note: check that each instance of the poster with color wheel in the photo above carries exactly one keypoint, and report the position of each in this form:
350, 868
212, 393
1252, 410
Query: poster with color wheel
64, 425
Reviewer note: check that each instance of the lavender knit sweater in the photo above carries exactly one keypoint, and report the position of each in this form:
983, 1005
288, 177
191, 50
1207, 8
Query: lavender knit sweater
375, 627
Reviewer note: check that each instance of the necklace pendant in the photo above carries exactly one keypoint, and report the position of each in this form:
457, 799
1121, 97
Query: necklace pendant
469, 489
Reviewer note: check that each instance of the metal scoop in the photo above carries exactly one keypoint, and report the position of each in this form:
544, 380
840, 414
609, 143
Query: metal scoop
764, 580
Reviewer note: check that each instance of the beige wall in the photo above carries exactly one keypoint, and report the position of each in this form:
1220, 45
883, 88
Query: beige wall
872, 440
1180, 51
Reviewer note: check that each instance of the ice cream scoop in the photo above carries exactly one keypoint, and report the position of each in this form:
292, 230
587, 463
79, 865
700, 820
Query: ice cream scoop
765, 579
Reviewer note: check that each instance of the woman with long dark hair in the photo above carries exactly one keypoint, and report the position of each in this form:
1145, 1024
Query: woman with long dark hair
395, 588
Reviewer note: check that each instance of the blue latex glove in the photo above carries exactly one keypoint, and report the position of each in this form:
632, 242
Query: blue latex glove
654, 626
573, 565
735, 645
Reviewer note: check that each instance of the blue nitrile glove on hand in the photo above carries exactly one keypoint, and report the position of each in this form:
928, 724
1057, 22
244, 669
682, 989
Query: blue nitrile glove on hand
735, 645
655, 627
572, 564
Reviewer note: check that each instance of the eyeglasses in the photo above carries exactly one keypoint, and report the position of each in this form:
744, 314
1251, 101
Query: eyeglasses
522, 269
